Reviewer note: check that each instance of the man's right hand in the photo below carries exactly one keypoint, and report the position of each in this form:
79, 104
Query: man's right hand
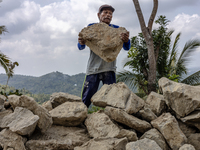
81, 41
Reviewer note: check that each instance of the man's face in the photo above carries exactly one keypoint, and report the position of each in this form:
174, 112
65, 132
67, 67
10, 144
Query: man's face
105, 16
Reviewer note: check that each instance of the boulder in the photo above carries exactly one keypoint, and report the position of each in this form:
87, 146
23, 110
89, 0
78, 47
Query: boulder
69, 114
144, 144
115, 95
194, 139
57, 99
8, 139
3, 114
134, 104
156, 103
181, 98
22, 121
103, 40
187, 147
104, 144
100, 125
58, 138
121, 116
2, 100
156, 136
45, 120
147, 114
187, 130
168, 126
130, 135
47, 105
192, 117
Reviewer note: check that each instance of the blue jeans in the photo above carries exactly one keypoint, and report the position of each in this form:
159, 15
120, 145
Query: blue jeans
91, 84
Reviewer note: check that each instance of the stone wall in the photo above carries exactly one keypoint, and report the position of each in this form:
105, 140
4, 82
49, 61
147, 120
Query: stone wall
167, 121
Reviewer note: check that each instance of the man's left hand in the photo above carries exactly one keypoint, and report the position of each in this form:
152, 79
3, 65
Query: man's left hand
125, 37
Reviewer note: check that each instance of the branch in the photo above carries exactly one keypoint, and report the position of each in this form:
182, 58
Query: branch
153, 14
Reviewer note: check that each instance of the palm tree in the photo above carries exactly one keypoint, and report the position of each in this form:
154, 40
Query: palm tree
169, 63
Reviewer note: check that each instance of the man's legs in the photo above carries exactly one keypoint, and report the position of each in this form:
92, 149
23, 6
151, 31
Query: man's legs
90, 87
109, 77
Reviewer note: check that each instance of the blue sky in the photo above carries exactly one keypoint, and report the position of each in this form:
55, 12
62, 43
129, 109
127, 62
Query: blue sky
43, 34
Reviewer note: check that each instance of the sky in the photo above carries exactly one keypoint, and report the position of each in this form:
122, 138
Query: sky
43, 34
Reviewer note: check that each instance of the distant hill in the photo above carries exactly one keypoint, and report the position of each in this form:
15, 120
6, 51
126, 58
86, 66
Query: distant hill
47, 84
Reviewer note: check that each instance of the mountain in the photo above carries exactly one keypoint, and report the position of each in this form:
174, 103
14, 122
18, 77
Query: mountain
48, 83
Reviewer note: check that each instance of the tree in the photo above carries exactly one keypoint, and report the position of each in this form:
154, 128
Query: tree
146, 31
169, 63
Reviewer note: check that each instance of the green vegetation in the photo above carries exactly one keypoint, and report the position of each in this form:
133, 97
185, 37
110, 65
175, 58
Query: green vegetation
170, 63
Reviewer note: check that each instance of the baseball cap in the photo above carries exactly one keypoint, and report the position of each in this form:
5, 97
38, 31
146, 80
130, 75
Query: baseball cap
106, 6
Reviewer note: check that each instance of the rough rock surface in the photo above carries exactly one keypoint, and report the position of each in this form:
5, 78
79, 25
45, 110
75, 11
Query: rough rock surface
155, 135
22, 121
3, 114
8, 139
182, 98
2, 100
104, 144
121, 116
134, 104
115, 95
156, 103
58, 137
103, 40
194, 139
187, 147
57, 99
168, 126
131, 135
147, 114
100, 125
47, 105
144, 144
69, 114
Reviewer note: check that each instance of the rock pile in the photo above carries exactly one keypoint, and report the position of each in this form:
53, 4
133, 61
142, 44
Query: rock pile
162, 122
103, 40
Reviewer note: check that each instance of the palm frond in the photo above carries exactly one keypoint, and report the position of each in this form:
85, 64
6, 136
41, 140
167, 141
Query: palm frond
193, 79
4, 62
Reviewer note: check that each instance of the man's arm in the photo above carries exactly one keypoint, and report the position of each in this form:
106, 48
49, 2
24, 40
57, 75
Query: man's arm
126, 40
81, 44
127, 45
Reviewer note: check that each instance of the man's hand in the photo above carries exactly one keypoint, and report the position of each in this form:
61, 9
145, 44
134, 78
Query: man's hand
81, 41
125, 37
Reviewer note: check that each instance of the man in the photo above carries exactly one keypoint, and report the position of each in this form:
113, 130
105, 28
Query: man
98, 69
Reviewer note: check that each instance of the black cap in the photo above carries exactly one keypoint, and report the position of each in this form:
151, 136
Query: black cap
106, 6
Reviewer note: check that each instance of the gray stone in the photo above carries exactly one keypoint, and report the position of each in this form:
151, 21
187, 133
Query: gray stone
187, 130
130, 135
187, 147
121, 116
100, 125
156, 103
104, 144
2, 100
3, 114
194, 139
69, 114
22, 121
156, 136
47, 105
182, 98
13, 100
58, 138
193, 117
103, 40
115, 95
59, 98
8, 139
134, 104
144, 144
147, 114
168, 126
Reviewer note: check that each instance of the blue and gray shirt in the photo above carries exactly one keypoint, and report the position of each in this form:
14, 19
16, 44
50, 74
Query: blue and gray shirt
96, 64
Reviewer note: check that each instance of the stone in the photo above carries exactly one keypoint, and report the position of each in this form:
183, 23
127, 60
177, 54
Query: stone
147, 114
57, 99
156, 103
130, 135
134, 104
187, 147
47, 105
156, 136
192, 117
69, 114
22, 121
45, 120
187, 130
8, 139
58, 138
103, 40
115, 95
2, 100
194, 139
3, 114
181, 98
100, 125
168, 126
144, 144
121, 116
101, 143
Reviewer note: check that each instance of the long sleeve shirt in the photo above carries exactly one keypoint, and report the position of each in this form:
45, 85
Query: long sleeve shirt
96, 64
